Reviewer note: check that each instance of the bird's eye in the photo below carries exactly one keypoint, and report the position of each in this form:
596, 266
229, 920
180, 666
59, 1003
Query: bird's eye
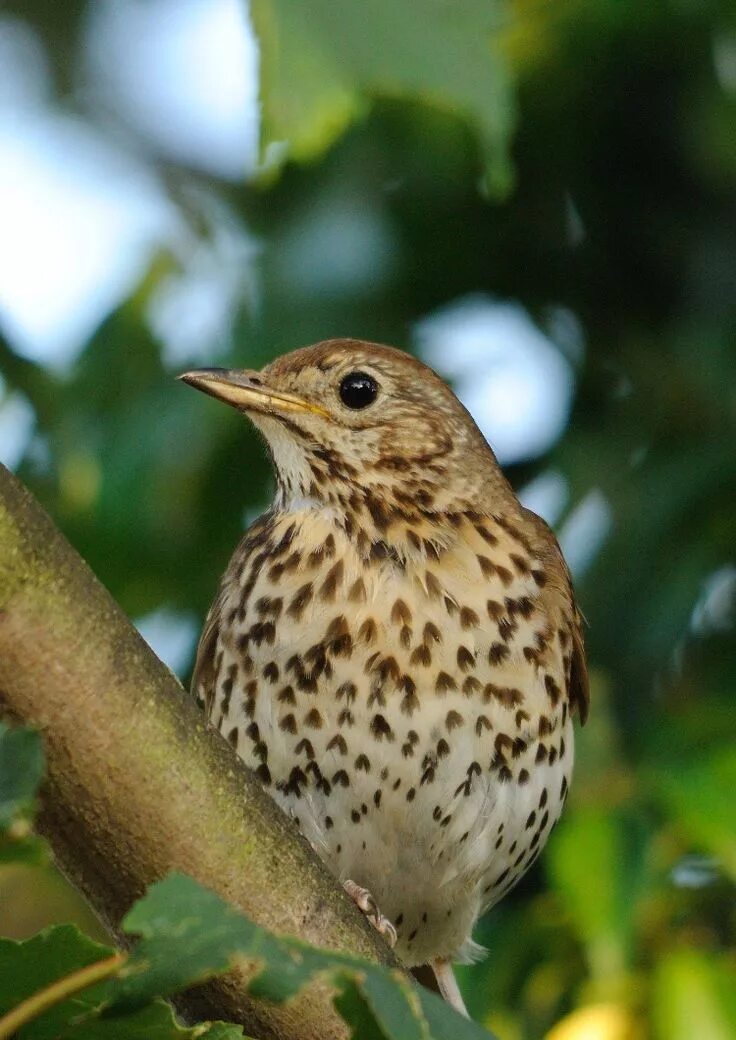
358, 390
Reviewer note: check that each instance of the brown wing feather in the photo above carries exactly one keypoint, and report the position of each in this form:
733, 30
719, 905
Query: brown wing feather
579, 689
203, 677
560, 597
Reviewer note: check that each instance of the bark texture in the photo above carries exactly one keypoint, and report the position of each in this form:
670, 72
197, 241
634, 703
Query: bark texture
137, 786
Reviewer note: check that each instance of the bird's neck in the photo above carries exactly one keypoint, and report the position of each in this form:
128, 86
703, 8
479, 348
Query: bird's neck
377, 523
389, 510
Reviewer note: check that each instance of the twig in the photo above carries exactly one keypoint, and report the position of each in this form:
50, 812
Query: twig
59, 990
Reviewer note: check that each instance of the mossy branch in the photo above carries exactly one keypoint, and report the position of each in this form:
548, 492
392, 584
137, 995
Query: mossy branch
138, 786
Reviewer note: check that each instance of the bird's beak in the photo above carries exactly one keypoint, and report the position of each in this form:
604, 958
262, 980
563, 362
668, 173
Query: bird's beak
246, 390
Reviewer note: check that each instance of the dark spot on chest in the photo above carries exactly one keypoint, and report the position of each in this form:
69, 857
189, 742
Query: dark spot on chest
497, 653
453, 720
400, 613
357, 593
508, 696
338, 743
288, 723
444, 682
330, 585
313, 719
300, 601
465, 659
271, 672
482, 723
304, 747
553, 690
421, 655
286, 695
432, 585
368, 631
380, 728
468, 618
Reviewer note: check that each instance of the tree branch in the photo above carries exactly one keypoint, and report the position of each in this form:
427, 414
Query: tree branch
138, 786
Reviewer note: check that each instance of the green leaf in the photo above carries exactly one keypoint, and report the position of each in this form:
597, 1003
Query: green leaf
217, 1031
395, 1005
353, 1007
30, 966
444, 1023
155, 1021
188, 933
322, 62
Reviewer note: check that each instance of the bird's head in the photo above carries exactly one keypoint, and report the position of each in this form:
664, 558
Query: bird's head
348, 422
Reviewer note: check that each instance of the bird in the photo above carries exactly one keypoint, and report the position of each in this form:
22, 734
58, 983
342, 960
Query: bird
395, 648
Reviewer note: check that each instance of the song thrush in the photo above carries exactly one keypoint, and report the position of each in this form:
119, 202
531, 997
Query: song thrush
395, 647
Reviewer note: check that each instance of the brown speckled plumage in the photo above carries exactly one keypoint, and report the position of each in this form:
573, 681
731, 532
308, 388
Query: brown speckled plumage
395, 647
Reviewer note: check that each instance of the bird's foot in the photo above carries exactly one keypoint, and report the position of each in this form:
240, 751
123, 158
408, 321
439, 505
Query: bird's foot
448, 985
367, 904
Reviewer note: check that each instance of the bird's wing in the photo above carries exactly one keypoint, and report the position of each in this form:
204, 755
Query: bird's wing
203, 677
579, 686
559, 598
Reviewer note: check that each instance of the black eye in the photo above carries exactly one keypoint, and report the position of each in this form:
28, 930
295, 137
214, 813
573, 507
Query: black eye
358, 390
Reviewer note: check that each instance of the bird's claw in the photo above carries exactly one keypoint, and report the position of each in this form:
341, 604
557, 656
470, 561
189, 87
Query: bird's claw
367, 905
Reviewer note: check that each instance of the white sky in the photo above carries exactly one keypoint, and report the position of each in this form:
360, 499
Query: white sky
512, 379
184, 73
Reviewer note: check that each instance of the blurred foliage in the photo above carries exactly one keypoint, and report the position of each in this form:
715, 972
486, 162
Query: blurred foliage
322, 64
622, 217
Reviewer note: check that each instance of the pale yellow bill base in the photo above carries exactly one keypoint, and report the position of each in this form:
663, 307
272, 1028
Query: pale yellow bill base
244, 389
